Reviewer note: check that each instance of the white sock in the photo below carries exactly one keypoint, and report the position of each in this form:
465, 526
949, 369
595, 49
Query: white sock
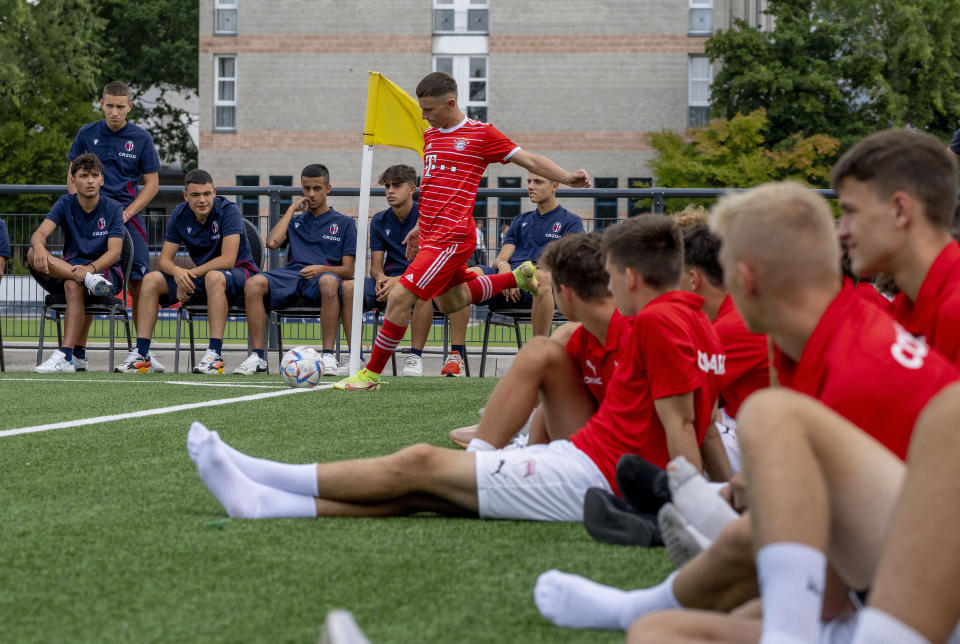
576, 602
697, 499
877, 627
479, 445
792, 577
299, 479
241, 497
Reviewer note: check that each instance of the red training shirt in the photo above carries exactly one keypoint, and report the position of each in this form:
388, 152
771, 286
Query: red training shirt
669, 349
597, 361
935, 316
748, 358
453, 163
863, 365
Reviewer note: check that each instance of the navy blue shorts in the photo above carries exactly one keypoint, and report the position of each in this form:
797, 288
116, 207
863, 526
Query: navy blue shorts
498, 301
141, 254
236, 277
55, 286
287, 283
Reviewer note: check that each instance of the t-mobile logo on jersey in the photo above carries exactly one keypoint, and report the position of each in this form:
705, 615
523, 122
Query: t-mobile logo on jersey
429, 164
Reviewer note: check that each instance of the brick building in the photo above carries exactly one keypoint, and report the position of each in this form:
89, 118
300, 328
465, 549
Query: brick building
283, 83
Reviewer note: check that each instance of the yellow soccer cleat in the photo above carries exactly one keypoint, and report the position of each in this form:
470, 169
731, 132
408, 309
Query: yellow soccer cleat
365, 380
526, 276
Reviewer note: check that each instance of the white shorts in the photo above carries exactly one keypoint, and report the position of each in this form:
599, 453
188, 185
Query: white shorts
728, 434
536, 483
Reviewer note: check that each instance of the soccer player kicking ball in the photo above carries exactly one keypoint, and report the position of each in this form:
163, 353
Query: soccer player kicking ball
457, 150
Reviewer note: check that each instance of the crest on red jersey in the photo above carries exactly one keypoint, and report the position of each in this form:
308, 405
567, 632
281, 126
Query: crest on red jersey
460, 145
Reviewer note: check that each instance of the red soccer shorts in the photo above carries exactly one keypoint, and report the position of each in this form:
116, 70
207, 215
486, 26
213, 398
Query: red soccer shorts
433, 272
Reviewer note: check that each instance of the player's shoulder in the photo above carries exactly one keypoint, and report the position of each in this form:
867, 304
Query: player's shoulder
179, 210
341, 218
111, 206
91, 129
132, 130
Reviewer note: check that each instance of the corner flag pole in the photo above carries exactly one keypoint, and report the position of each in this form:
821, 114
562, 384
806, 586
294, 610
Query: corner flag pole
360, 263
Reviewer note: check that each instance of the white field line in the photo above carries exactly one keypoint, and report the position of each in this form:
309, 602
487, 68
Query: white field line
146, 382
155, 412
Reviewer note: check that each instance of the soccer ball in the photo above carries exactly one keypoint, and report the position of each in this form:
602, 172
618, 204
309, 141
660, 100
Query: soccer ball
301, 367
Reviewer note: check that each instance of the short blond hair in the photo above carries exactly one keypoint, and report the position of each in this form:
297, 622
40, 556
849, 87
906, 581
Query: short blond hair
785, 230
692, 215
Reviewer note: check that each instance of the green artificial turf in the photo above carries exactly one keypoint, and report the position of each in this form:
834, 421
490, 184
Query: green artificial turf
108, 534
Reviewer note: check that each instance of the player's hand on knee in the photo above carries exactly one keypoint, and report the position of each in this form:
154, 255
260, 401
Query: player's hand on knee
735, 492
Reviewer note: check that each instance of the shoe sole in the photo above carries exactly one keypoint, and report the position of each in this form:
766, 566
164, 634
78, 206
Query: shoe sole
218, 370
612, 525
103, 290
680, 545
243, 372
451, 375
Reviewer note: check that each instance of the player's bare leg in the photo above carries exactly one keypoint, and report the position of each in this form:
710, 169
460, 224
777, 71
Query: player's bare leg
422, 320
346, 308
215, 283
541, 311
329, 288
816, 486
542, 370
133, 289
694, 627
254, 290
916, 577
154, 286
76, 313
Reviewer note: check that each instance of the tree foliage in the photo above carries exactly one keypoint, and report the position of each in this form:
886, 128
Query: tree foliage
843, 67
47, 77
733, 153
154, 46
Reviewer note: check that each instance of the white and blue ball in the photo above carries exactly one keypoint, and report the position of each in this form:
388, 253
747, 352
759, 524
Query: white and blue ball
301, 367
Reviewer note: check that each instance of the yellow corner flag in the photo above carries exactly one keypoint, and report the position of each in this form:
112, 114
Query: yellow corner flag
393, 116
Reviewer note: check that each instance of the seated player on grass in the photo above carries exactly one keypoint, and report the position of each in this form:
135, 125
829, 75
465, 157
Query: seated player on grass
781, 264
320, 254
388, 259
528, 235
212, 230
658, 404
568, 373
92, 242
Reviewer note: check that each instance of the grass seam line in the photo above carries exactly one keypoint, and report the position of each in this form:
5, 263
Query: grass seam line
154, 412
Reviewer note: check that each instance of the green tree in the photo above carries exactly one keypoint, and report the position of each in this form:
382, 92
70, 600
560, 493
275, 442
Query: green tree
154, 46
732, 153
47, 78
843, 67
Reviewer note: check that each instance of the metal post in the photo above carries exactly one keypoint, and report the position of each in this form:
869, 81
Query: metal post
274, 200
658, 203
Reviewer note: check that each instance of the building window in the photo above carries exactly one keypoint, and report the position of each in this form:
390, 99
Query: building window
471, 75
639, 206
701, 17
225, 93
604, 208
225, 18
461, 16
700, 74
249, 204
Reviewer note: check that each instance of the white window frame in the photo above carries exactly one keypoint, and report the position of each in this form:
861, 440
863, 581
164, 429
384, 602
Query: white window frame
461, 9
699, 5
461, 74
219, 102
691, 79
224, 5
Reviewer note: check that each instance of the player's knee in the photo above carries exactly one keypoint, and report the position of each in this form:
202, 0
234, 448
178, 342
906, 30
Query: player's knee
255, 286
134, 287
734, 545
214, 279
71, 288
416, 458
653, 628
151, 282
545, 351
762, 410
328, 285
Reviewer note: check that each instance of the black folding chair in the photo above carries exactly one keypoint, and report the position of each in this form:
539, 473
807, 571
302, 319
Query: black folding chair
109, 305
189, 311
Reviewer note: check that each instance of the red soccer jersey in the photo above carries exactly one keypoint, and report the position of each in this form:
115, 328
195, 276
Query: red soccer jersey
453, 163
748, 359
597, 361
669, 348
869, 292
935, 316
863, 365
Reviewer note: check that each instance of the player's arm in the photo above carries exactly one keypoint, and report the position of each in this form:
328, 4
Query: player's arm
109, 258
539, 164
502, 262
167, 264
278, 234
38, 242
151, 185
344, 271
376, 266
714, 455
226, 260
677, 414
3, 266
71, 186
412, 242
